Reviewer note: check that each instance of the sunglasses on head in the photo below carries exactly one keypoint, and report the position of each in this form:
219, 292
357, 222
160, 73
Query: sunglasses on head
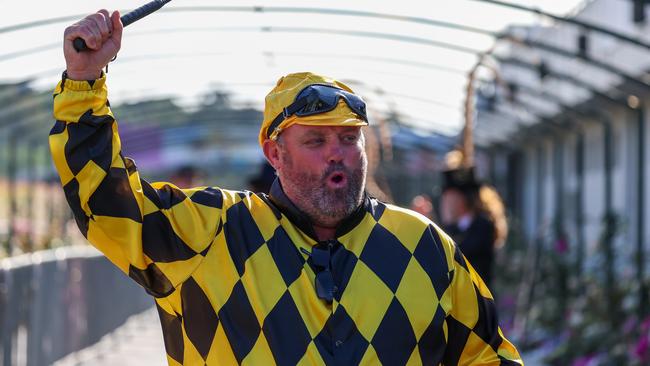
316, 99
324, 280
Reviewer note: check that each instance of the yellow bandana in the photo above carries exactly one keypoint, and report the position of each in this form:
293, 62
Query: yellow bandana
284, 93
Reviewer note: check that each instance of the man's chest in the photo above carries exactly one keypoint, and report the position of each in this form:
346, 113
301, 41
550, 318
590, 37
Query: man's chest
384, 303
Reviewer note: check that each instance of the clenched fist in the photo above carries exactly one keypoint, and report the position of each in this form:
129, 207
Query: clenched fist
103, 35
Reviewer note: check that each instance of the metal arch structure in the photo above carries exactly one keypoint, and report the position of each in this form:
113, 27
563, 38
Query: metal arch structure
401, 38
346, 12
420, 20
385, 16
565, 78
585, 25
357, 13
455, 48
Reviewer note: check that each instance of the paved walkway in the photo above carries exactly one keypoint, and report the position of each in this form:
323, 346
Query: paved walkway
138, 342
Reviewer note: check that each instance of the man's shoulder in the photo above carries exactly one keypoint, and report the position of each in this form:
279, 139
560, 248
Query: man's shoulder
243, 198
401, 213
211, 196
408, 218
430, 246
404, 220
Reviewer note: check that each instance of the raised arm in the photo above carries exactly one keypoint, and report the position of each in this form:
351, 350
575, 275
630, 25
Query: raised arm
156, 233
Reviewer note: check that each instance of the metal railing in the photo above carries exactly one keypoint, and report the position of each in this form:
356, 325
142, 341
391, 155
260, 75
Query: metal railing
59, 301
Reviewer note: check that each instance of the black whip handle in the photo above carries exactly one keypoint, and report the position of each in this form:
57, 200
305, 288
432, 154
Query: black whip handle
80, 45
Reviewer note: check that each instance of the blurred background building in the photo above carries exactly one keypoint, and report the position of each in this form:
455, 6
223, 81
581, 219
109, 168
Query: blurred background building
546, 99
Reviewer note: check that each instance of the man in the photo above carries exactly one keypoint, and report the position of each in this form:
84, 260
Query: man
317, 272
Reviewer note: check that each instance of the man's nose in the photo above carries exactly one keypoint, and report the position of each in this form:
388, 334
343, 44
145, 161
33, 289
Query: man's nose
335, 153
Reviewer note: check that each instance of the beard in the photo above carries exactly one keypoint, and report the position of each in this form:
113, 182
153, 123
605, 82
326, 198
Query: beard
325, 206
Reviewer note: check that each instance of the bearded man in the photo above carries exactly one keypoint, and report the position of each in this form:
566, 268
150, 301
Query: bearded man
317, 272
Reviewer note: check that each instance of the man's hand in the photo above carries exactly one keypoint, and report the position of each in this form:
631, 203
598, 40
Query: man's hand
103, 35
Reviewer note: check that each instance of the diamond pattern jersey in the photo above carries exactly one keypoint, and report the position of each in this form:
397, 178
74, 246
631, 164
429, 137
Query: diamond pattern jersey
232, 278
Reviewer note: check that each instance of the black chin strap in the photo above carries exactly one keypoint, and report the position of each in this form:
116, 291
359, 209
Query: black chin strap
286, 113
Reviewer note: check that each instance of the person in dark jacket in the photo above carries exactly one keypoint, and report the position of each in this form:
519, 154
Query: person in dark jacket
467, 221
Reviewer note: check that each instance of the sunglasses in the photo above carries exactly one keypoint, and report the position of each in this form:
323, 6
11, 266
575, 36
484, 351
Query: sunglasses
316, 99
324, 280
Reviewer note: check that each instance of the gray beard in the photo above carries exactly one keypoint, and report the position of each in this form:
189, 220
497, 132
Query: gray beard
323, 205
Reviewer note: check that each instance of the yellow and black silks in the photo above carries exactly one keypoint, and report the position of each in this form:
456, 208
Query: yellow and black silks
231, 283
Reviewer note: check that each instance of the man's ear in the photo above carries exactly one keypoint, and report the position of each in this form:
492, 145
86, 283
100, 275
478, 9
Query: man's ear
272, 153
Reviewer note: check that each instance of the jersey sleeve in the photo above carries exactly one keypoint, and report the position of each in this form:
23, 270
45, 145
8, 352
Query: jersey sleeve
155, 233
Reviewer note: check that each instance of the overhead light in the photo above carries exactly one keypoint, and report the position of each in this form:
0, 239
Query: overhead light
633, 101
512, 92
583, 45
542, 70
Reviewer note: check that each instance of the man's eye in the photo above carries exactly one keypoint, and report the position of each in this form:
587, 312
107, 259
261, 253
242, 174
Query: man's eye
350, 138
315, 141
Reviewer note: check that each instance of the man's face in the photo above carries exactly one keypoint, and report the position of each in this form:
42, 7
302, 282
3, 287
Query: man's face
322, 170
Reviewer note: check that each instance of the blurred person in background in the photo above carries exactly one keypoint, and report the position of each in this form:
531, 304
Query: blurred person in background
474, 216
315, 272
187, 176
422, 204
263, 180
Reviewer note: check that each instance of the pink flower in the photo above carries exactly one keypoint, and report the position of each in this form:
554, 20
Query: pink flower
561, 246
641, 349
583, 361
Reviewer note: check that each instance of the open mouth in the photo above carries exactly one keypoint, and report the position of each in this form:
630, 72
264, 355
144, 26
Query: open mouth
337, 180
